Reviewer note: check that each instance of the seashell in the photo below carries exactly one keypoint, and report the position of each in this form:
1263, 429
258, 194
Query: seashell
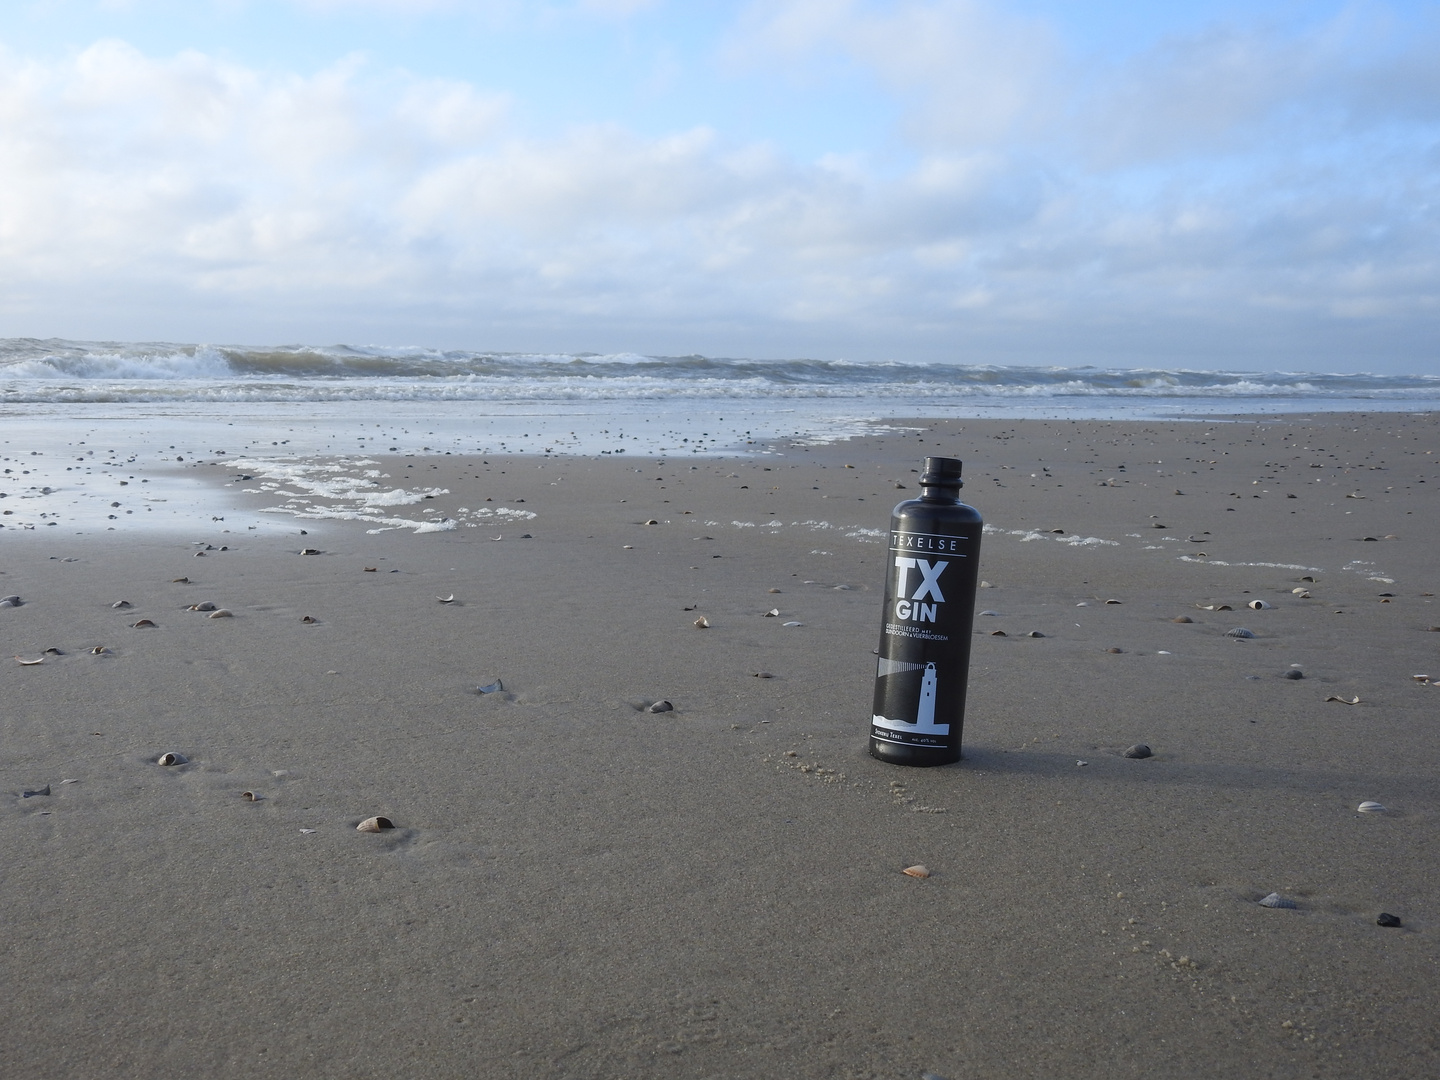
1114, 601
1240, 632
1293, 673
308, 619
772, 613
119, 605
792, 623
1083, 603
99, 650
1370, 806
1275, 900
446, 599
1034, 633
916, 871
221, 614
1386, 919
1417, 678
171, 758
1182, 618
249, 796
702, 623
986, 585
40, 791
52, 651
29, 663
1306, 577
199, 554
1344, 700
1385, 600
375, 824
989, 613
11, 601
490, 688
372, 569
1214, 607
203, 606
1303, 594
1196, 539
1367, 539
1059, 532
763, 675
142, 624
661, 706
1082, 764
628, 547
1139, 750
179, 581
310, 551
1259, 605
652, 521
998, 633
772, 590
306, 832
841, 588
1113, 649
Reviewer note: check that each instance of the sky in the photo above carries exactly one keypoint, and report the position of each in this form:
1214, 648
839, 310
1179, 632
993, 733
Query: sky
1114, 182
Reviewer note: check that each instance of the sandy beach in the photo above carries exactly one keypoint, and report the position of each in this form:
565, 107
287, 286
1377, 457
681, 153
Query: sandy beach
579, 887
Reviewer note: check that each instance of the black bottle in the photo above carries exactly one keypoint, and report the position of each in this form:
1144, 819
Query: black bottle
931, 570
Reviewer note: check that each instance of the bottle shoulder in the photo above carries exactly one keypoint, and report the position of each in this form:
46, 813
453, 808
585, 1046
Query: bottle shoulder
915, 511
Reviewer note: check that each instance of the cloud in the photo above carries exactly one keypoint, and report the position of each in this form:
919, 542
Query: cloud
1223, 190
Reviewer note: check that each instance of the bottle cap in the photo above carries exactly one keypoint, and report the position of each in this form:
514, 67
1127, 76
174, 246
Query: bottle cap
941, 471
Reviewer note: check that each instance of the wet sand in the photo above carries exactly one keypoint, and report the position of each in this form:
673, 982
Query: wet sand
579, 887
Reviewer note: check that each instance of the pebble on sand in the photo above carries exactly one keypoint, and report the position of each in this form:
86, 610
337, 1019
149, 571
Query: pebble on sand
1386, 919
375, 824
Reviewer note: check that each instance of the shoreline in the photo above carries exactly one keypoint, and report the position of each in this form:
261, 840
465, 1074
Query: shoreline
577, 886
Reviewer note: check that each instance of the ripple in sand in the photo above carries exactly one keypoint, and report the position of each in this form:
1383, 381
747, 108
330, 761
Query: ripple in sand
375, 824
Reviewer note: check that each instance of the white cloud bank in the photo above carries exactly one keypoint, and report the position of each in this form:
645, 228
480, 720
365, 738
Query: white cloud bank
1225, 198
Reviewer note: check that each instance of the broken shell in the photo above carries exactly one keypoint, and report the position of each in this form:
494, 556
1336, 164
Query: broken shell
1240, 632
1259, 605
792, 623
1369, 806
1275, 900
446, 599
772, 590
142, 624
221, 614
29, 663
1214, 607
998, 633
121, 604
310, 551
204, 605
308, 619
1139, 750
375, 824
52, 651
1303, 594
372, 569
1113, 601
11, 601
916, 871
1344, 700
249, 796
702, 622
1417, 678
99, 650
179, 581
40, 791
661, 706
1034, 633
652, 521
1182, 618
171, 758
989, 613
772, 613
490, 688
1386, 919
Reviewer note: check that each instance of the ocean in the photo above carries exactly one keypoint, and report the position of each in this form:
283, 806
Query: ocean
306, 419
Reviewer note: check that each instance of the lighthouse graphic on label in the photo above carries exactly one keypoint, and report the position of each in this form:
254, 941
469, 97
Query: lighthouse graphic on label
924, 722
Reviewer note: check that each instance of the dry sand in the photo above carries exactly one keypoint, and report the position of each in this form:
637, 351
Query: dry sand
579, 888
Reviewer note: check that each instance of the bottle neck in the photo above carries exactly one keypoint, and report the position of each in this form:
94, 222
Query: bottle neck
949, 493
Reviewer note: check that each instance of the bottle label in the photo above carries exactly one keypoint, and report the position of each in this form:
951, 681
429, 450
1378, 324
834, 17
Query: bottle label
924, 646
